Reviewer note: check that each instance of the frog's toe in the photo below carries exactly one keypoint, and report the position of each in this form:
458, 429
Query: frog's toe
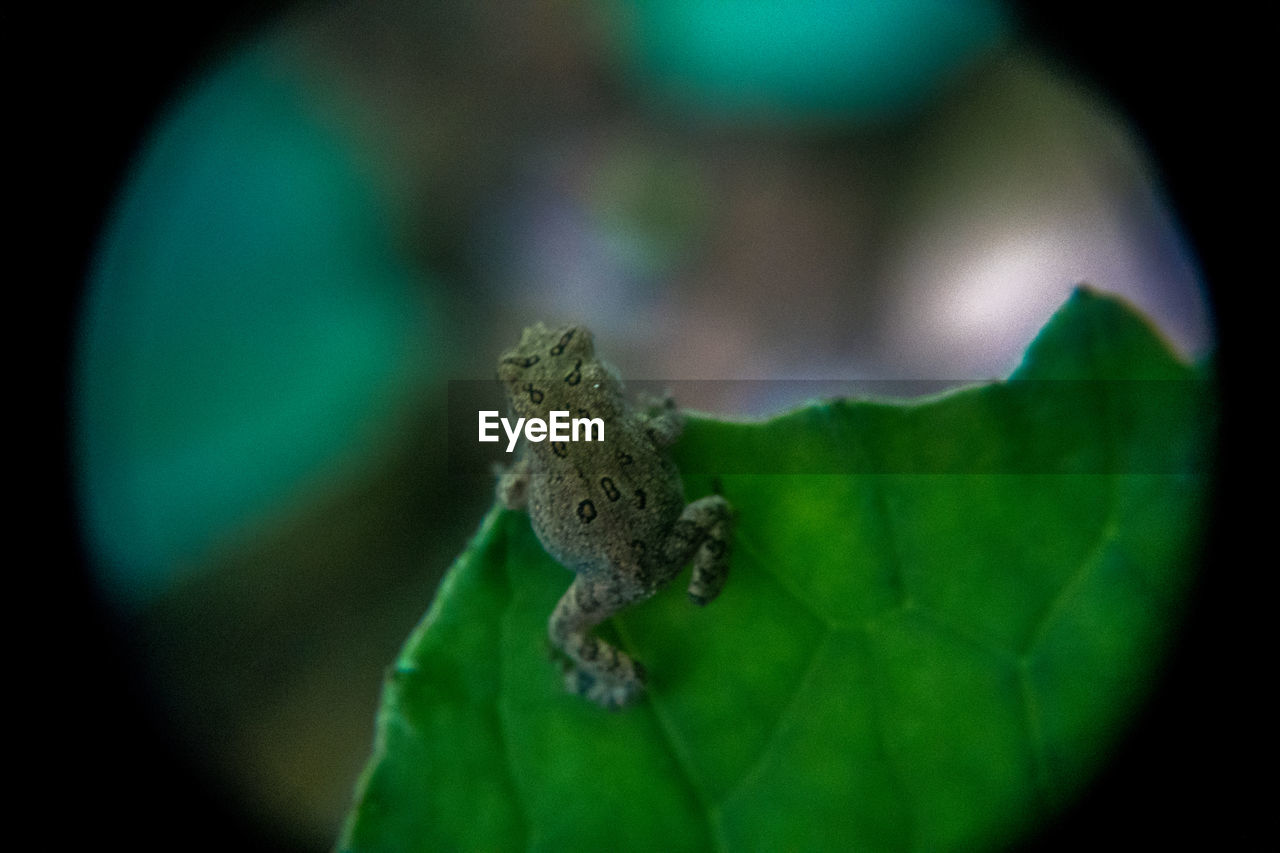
617, 695
610, 693
579, 681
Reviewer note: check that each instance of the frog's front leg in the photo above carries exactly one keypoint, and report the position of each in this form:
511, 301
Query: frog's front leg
662, 421
702, 531
602, 673
513, 485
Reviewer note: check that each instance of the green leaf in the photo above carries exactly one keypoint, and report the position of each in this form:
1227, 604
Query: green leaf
939, 617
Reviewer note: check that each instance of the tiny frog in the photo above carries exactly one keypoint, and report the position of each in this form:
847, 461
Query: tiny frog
613, 511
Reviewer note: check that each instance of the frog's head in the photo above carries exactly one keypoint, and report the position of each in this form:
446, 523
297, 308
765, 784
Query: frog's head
546, 357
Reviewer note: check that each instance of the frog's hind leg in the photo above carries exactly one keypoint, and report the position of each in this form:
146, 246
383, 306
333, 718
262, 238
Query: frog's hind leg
703, 532
601, 672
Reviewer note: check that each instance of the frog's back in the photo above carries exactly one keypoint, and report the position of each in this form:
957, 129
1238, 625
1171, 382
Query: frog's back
603, 504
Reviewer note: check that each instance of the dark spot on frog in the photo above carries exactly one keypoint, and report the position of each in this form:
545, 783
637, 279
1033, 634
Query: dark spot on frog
640, 500
535, 396
575, 376
564, 342
521, 362
586, 511
610, 490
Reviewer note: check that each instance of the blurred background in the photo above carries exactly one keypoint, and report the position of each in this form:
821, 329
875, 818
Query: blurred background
313, 217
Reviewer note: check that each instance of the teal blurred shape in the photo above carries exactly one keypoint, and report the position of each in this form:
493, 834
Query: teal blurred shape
826, 60
247, 325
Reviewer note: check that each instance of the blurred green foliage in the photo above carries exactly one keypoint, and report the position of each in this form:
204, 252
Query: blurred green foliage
248, 323
900, 660
814, 59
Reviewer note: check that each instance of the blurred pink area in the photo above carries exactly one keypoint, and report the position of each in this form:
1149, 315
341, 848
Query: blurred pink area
935, 251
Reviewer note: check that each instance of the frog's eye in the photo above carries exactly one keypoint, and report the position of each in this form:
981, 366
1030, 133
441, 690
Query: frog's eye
564, 342
530, 361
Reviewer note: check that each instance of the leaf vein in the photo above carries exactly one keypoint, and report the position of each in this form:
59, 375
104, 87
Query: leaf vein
1035, 734
1107, 533
897, 574
894, 766
757, 766
679, 751
742, 543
